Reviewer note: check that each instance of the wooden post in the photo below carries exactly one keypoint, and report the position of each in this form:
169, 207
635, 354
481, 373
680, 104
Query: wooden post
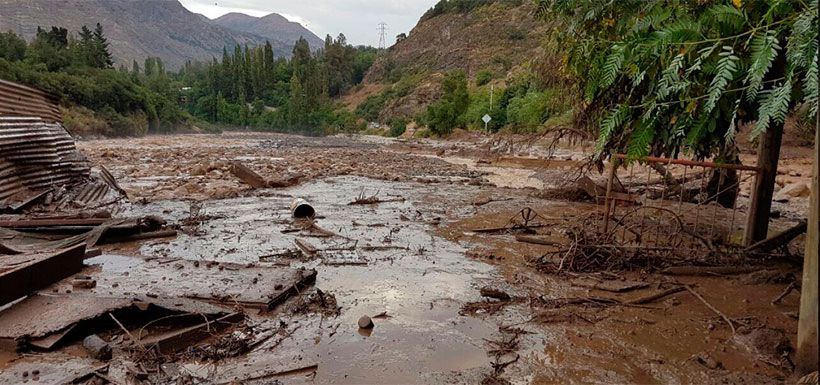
807, 359
768, 153
760, 207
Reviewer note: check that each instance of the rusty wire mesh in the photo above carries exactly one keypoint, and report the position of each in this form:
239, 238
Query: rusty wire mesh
660, 212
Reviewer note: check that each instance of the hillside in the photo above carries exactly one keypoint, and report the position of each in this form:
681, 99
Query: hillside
273, 27
135, 29
497, 38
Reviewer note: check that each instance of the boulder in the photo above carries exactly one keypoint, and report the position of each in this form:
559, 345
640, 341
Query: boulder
792, 190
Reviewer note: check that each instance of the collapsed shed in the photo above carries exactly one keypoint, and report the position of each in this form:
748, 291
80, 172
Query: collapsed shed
38, 158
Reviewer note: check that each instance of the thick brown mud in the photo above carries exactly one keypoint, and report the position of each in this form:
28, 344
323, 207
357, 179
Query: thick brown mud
416, 264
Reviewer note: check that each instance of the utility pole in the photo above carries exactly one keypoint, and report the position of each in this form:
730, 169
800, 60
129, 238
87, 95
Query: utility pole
492, 88
382, 35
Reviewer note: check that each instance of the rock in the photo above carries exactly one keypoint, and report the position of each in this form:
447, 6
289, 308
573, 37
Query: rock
792, 190
365, 322
97, 347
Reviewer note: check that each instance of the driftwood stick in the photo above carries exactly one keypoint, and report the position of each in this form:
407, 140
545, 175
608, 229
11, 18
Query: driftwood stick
130, 336
656, 296
711, 270
792, 286
712, 308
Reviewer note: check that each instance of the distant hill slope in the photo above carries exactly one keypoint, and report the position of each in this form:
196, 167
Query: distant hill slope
136, 29
273, 26
497, 36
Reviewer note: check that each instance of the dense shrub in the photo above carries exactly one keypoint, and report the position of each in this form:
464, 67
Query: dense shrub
483, 77
397, 127
447, 113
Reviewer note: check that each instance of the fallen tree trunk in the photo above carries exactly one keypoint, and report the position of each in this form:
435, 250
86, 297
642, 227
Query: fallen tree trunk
778, 240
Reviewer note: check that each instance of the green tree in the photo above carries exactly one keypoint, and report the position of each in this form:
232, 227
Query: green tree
663, 77
445, 114
101, 57
50, 48
12, 47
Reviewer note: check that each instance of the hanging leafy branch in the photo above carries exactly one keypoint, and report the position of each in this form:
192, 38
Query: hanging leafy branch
664, 76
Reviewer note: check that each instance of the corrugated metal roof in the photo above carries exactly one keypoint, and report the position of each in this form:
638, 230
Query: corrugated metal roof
19, 100
37, 154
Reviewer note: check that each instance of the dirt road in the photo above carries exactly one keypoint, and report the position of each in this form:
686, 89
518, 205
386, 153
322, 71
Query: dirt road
451, 304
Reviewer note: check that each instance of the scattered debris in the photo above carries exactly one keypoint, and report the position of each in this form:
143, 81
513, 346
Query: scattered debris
176, 340
529, 220
373, 199
316, 302
598, 190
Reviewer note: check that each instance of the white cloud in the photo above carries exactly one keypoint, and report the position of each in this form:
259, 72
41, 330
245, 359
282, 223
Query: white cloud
357, 19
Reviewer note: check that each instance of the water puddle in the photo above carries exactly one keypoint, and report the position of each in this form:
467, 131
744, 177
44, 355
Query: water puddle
417, 278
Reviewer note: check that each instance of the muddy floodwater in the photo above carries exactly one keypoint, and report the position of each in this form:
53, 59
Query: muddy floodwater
420, 264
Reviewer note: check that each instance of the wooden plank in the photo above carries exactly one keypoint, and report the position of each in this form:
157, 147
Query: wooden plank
23, 274
248, 176
807, 357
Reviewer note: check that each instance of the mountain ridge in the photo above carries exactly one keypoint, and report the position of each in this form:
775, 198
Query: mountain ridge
139, 29
271, 26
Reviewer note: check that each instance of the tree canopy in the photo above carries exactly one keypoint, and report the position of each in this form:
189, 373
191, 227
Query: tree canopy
664, 76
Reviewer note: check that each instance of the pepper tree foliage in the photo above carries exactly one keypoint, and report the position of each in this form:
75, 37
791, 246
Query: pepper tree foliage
664, 76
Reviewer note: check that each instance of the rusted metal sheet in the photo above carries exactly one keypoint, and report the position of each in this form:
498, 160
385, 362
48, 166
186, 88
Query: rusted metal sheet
35, 156
22, 274
19, 100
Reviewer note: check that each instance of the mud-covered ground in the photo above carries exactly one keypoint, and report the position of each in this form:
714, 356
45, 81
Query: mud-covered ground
417, 264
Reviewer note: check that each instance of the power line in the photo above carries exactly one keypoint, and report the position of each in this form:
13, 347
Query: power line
382, 35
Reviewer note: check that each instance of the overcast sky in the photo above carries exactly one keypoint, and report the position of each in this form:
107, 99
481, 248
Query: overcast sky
357, 19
